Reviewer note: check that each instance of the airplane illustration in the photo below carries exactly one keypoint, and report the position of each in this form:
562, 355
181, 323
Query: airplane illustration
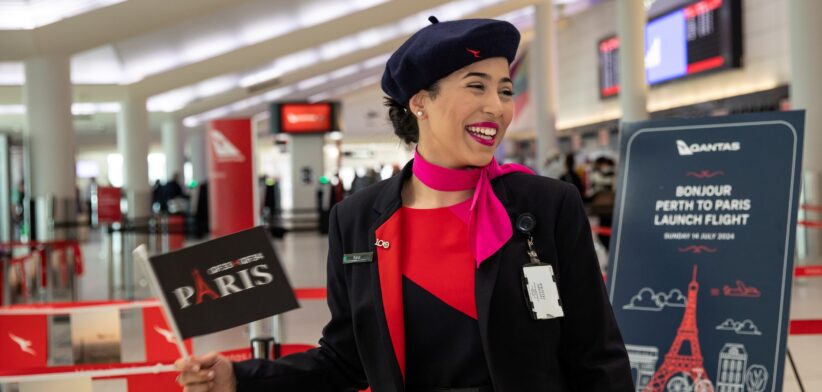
25, 345
741, 290
166, 334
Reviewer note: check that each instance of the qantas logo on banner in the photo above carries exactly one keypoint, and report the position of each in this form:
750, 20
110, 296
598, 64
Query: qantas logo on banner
227, 284
684, 149
25, 345
168, 335
224, 150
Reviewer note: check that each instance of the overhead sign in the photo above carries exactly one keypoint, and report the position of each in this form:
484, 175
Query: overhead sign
222, 283
701, 259
300, 117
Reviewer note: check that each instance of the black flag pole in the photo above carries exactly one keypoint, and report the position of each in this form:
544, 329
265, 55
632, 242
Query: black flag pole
141, 255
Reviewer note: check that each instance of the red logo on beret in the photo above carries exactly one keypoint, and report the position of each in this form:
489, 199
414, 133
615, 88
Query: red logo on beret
474, 52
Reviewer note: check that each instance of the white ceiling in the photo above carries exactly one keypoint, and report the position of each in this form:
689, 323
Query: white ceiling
197, 59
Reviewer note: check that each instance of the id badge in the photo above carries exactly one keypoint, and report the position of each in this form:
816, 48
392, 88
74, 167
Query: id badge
541, 293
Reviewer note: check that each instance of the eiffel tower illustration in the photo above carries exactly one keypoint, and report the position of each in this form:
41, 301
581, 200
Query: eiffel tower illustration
677, 364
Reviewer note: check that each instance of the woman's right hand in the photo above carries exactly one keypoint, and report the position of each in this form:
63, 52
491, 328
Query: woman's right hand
208, 373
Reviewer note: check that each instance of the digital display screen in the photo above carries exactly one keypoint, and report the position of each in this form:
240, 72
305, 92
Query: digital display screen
702, 36
666, 49
303, 117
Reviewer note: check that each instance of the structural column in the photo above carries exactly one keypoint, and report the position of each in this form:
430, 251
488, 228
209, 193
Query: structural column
197, 153
544, 74
173, 148
307, 165
132, 143
806, 93
50, 142
633, 90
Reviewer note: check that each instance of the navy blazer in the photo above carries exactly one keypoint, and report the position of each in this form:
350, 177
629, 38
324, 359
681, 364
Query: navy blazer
582, 351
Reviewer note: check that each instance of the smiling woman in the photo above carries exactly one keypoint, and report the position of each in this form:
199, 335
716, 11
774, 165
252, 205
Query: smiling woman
442, 294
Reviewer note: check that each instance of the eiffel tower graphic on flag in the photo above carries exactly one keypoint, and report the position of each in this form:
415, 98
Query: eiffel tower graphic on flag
680, 368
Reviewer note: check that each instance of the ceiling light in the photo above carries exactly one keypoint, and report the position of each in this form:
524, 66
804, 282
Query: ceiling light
26, 15
12, 110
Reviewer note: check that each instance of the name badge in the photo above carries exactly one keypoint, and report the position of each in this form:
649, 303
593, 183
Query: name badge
352, 258
541, 293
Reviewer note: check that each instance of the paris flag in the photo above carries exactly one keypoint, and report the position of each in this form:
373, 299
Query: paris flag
220, 284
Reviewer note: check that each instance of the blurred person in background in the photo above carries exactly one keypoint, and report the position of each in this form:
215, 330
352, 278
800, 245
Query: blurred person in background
553, 166
176, 199
570, 175
602, 179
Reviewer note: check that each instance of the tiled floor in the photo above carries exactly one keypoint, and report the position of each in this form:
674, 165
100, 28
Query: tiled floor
304, 257
806, 303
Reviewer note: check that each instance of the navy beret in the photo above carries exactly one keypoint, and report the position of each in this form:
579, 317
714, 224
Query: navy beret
439, 49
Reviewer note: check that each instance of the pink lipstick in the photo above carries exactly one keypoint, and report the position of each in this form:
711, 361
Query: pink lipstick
483, 132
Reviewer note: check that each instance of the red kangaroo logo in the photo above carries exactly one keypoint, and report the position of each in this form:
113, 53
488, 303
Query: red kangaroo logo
474, 52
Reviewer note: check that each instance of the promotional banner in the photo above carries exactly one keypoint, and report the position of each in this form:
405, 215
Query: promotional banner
222, 283
701, 259
159, 339
23, 341
231, 190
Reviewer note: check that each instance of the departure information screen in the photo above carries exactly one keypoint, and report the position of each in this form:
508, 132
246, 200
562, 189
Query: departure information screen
699, 37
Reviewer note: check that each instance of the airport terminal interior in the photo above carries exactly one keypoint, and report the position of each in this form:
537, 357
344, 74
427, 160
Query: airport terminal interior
172, 123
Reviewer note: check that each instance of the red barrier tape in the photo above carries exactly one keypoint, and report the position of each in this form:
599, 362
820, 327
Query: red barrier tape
241, 354
76, 368
797, 327
307, 293
808, 207
806, 327
311, 293
807, 223
808, 271
39, 248
19, 263
601, 230
82, 304
810, 224
21, 272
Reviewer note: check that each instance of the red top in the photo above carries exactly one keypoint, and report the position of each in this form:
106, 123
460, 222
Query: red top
442, 347
439, 259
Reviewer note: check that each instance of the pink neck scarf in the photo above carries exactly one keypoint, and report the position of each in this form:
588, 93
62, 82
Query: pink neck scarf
488, 225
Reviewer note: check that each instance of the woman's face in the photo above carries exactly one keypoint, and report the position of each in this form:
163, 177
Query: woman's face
463, 124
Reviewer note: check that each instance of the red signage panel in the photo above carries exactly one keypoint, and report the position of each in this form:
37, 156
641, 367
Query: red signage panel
230, 176
161, 345
108, 204
23, 341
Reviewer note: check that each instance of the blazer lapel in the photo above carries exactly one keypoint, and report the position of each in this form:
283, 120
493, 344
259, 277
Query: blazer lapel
386, 272
389, 265
486, 278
